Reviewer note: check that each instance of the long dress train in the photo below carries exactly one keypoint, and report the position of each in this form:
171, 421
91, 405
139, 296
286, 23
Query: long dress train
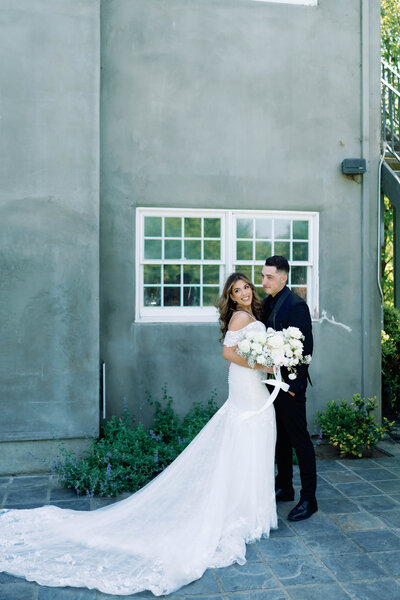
198, 513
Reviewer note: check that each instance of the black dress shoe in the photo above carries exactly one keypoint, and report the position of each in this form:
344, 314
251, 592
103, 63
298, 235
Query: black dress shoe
303, 510
284, 495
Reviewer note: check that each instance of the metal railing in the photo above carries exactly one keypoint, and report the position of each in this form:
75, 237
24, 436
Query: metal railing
390, 105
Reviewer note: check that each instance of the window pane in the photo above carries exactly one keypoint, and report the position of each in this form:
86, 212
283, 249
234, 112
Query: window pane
282, 229
300, 230
152, 296
192, 227
300, 291
173, 227
212, 250
172, 274
298, 275
282, 249
261, 292
172, 296
264, 228
152, 249
192, 249
152, 226
263, 250
172, 249
245, 269
210, 296
191, 274
191, 296
210, 274
152, 274
244, 228
300, 250
212, 228
244, 250
257, 277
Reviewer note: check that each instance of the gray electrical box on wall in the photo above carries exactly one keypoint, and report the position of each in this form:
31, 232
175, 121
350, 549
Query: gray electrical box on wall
354, 166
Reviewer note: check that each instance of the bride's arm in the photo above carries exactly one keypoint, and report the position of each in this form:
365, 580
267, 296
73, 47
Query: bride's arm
238, 321
229, 353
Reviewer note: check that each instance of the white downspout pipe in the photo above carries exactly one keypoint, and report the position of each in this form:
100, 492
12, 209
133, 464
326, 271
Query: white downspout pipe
365, 201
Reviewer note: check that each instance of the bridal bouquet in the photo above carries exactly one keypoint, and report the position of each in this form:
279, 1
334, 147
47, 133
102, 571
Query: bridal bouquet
274, 349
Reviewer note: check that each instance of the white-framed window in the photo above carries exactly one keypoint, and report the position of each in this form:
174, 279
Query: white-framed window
183, 257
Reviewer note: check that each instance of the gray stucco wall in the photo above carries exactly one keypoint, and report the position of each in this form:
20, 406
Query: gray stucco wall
240, 104
49, 215
204, 104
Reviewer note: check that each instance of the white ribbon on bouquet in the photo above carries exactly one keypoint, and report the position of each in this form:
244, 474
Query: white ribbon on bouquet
278, 385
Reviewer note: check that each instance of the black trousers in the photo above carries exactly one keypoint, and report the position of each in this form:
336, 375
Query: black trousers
292, 432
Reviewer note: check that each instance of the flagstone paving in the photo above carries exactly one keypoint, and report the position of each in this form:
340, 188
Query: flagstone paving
350, 549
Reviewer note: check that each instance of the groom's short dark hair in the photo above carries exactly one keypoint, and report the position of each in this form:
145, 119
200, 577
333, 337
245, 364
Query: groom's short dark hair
279, 262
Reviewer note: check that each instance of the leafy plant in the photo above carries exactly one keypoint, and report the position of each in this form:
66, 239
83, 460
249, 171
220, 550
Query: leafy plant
391, 360
390, 31
128, 455
352, 427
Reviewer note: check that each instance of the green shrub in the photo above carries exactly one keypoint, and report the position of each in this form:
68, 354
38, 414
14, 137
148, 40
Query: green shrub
128, 455
391, 361
352, 427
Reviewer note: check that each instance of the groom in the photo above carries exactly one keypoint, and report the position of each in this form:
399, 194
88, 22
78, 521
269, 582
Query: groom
282, 308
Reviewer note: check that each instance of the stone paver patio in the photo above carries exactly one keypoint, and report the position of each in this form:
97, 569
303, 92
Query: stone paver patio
350, 549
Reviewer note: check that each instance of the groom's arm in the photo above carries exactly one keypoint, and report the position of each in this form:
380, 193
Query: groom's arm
300, 317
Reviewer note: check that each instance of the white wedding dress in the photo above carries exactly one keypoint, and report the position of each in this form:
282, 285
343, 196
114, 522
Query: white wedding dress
198, 513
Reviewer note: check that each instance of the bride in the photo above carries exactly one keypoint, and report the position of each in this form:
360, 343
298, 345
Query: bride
197, 514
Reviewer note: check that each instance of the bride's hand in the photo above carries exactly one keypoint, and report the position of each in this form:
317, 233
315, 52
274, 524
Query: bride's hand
269, 370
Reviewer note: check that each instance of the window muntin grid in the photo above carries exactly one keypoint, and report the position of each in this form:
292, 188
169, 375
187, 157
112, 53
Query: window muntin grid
182, 261
263, 236
174, 284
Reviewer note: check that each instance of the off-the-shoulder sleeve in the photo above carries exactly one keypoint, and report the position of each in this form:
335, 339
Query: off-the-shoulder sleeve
232, 338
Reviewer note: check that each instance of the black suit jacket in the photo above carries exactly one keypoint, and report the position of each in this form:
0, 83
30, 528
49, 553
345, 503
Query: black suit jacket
293, 312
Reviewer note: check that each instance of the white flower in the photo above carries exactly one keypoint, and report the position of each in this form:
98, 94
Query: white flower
276, 341
297, 344
260, 337
307, 359
278, 356
257, 348
261, 359
244, 346
292, 375
294, 332
298, 352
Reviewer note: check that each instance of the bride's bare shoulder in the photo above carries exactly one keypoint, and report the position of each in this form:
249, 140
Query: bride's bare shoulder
239, 320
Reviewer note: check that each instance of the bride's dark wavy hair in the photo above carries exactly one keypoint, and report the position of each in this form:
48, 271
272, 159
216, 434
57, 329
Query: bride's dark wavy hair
226, 306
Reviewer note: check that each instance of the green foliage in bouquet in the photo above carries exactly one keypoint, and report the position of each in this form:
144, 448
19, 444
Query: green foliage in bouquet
391, 361
129, 455
352, 427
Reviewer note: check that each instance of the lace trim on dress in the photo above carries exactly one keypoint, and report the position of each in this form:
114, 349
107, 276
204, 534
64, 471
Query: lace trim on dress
232, 338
